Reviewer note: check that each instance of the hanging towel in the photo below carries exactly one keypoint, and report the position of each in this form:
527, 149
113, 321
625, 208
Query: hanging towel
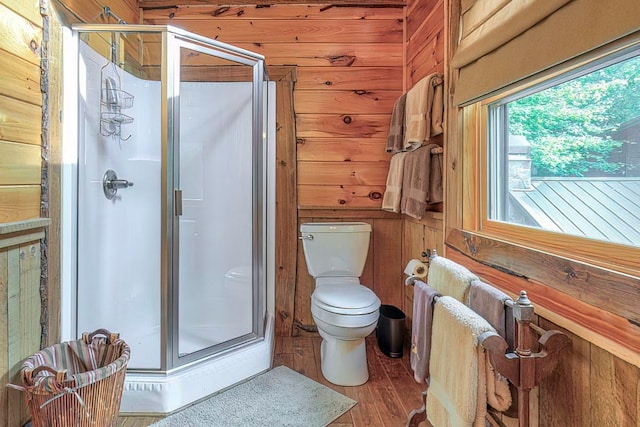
396, 127
423, 111
457, 370
423, 299
435, 179
393, 193
415, 182
489, 303
450, 278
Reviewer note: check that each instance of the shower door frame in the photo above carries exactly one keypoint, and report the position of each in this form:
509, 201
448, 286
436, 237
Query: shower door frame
174, 43
173, 39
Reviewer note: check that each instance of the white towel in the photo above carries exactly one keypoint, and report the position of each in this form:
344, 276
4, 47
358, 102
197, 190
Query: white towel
457, 394
393, 192
450, 278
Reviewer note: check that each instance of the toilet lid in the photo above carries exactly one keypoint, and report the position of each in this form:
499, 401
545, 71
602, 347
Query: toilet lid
345, 299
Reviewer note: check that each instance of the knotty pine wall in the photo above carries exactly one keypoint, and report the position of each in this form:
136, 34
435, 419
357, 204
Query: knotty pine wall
349, 64
20, 109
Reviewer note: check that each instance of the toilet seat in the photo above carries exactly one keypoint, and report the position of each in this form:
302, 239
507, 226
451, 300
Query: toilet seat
348, 299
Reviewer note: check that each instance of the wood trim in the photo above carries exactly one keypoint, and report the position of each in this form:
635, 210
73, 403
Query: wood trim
585, 299
286, 214
18, 226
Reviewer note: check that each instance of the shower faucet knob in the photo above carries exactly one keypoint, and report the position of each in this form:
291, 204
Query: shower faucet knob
111, 184
119, 183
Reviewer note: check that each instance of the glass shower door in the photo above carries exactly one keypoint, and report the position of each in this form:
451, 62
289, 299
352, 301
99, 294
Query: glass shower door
216, 161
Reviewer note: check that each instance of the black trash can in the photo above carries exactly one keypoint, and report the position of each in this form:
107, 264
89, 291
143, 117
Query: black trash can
390, 332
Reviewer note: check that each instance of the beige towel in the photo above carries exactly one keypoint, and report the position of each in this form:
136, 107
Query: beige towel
457, 383
423, 111
489, 303
393, 192
423, 300
416, 182
450, 278
396, 127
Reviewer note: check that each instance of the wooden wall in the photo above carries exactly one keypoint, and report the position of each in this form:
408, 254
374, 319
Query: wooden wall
349, 62
20, 109
19, 311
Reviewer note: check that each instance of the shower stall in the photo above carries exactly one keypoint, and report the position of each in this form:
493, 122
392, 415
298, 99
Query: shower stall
168, 207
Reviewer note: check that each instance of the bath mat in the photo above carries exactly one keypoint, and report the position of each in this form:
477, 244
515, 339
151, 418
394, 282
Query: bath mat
279, 397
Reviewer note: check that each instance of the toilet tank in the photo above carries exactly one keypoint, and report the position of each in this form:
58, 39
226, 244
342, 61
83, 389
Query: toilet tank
335, 249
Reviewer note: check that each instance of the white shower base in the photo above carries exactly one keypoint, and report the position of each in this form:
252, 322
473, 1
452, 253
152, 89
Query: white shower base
154, 394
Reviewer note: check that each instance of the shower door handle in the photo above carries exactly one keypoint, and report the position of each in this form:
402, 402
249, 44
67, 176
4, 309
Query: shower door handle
177, 196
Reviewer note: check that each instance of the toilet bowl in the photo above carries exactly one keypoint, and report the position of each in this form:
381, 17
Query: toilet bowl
344, 311
344, 314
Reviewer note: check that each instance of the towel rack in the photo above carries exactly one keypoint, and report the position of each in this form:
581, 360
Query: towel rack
523, 367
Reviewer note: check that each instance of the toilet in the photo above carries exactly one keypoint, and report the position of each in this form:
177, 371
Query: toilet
344, 310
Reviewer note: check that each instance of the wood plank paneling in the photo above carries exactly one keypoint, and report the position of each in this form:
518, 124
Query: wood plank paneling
388, 281
343, 125
373, 78
342, 173
19, 164
273, 11
571, 378
19, 37
20, 79
342, 150
19, 202
91, 11
267, 3
340, 196
21, 121
344, 102
235, 31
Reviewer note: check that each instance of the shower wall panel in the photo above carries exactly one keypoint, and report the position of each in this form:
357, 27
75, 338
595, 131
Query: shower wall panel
119, 239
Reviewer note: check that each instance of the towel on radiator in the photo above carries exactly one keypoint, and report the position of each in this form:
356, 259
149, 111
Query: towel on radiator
423, 111
423, 298
450, 278
457, 394
396, 126
416, 182
393, 192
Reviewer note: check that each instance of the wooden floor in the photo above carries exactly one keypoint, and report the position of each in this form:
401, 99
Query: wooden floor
385, 400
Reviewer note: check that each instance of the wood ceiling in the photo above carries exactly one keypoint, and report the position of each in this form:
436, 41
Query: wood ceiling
153, 4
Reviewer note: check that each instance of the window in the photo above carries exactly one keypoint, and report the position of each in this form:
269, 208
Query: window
564, 156
558, 158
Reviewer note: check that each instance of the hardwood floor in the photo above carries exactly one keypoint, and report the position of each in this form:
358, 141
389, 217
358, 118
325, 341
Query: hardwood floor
385, 400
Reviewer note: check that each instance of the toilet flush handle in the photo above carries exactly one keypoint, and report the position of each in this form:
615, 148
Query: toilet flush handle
306, 237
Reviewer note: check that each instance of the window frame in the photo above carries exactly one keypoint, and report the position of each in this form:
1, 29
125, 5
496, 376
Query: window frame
477, 152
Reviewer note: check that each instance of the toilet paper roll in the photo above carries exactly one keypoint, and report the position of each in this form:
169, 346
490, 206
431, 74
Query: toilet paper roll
416, 268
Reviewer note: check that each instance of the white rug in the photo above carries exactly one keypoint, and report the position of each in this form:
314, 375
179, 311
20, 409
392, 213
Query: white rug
279, 397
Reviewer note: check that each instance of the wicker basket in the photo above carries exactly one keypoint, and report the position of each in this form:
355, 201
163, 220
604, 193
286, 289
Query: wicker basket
77, 383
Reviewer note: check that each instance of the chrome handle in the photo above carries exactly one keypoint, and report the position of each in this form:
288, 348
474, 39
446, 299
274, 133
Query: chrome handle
119, 183
111, 184
306, 237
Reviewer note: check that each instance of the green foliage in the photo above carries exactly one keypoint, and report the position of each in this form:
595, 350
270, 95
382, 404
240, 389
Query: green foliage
568, 125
